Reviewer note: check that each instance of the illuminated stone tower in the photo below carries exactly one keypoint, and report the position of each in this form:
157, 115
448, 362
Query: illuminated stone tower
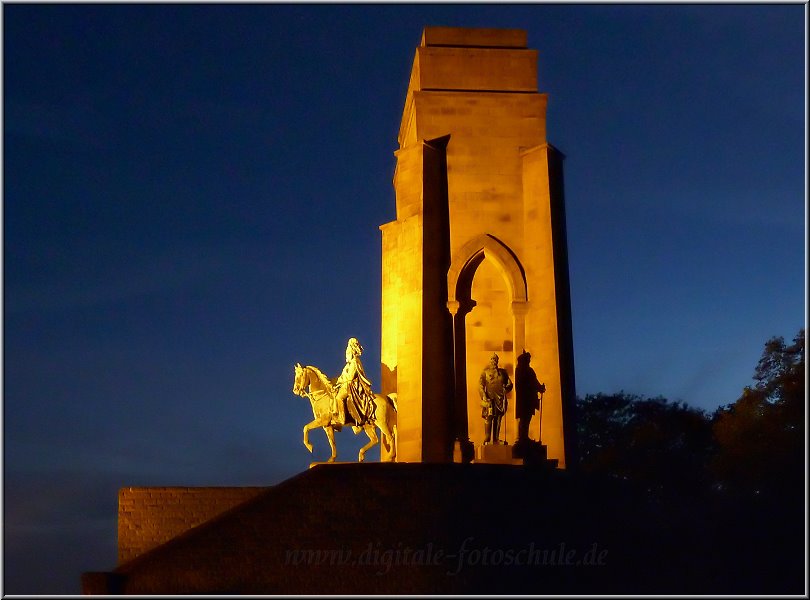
476, 260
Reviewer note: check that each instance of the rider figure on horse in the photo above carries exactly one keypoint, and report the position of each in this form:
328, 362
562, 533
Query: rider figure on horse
353, 390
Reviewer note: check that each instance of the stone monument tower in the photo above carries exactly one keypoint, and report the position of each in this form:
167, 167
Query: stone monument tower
476, 260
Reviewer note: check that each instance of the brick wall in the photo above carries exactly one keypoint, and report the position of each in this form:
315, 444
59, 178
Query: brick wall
151, 516
355, 509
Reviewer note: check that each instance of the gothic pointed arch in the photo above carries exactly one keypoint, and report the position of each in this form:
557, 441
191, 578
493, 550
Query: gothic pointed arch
472, 253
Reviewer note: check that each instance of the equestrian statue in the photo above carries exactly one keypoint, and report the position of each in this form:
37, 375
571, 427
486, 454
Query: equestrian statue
348, 400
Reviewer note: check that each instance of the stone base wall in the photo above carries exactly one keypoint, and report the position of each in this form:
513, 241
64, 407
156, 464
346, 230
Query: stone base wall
151, 516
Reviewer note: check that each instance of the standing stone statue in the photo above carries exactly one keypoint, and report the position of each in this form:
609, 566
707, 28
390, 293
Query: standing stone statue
527, 388
493, 385
353, 390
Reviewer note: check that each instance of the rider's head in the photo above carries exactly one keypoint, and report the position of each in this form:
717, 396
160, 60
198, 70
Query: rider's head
353, 348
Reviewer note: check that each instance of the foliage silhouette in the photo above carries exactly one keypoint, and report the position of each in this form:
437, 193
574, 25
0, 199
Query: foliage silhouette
727, 487
752, 446
760, 437
653, 441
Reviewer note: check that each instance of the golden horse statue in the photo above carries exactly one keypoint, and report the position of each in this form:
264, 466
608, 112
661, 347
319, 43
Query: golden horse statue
311, 383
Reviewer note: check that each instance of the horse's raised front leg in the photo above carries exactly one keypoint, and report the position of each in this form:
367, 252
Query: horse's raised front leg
313, 425
330, 434
372, 440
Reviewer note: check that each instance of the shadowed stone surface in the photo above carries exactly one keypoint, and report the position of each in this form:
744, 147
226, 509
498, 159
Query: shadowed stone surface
312, 533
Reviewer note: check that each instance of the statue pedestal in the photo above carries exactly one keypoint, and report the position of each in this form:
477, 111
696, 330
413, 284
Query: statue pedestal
496, 454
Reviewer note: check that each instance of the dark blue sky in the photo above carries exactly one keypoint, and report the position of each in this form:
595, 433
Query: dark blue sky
191, 196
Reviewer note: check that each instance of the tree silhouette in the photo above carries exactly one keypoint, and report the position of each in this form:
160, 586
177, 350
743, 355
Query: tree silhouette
760, 437
726, 490
660, 443
752, 446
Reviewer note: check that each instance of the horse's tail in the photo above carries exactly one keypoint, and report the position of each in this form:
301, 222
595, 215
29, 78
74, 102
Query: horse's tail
392, 397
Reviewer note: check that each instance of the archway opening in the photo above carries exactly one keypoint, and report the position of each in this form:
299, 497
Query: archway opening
487, 272
488, 329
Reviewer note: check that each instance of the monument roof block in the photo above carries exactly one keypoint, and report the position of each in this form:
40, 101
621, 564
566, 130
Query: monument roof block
462, 59
475, 38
